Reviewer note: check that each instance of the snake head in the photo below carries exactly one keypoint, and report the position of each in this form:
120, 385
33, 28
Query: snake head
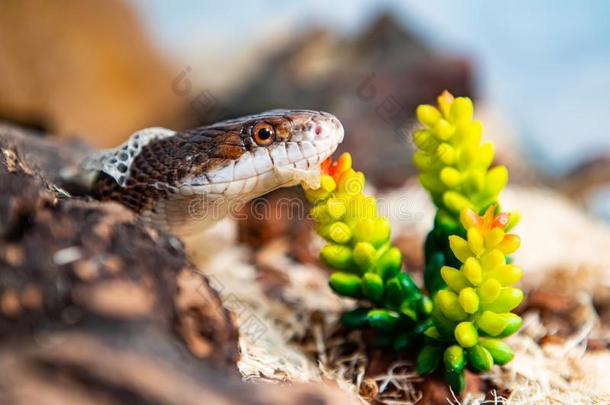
277, 148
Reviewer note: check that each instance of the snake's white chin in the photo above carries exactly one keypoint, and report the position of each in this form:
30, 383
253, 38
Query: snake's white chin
293, 174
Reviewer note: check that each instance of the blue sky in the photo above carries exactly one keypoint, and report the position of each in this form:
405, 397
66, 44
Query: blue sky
545, 63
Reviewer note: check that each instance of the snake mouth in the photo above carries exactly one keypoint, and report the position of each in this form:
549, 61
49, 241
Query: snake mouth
271, 172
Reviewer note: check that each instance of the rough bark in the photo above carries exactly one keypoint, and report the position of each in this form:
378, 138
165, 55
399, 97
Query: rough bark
86, 367
70, 260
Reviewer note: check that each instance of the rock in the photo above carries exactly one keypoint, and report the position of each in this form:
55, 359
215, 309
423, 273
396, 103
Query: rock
436, 391
558, 313
412, 250
582, 182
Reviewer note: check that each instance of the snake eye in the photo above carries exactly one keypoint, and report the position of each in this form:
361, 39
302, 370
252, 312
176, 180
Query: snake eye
264, 134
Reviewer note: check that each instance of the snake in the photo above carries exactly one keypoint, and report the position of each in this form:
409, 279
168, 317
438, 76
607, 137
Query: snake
185, 181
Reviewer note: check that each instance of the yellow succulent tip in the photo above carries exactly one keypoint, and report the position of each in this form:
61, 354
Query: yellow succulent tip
444, 102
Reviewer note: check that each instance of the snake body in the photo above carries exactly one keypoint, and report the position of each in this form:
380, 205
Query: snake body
183, 182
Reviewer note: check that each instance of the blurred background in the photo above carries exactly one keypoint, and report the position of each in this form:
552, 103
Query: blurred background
539, 73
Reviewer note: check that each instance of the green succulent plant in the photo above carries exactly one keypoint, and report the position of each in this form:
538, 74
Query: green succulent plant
473, 314
455, 168
466, 313
366, 265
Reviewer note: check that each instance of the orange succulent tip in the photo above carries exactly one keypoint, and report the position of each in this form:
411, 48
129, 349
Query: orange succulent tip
325, 165
445, 97
337, 168
502, 220
488, 217
485, 222
496, 221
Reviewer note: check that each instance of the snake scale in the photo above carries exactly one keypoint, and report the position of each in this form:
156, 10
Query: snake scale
183, 182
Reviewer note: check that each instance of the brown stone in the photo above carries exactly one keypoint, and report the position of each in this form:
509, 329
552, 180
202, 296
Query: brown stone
112, 264
117, 299
31, 297
436, 391
550, 301
412, 249
9, 302
86, 270
13, 254
202, 321
369, 389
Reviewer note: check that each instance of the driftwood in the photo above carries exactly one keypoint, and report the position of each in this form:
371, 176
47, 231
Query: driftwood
68, 261
96, 307
130, 364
